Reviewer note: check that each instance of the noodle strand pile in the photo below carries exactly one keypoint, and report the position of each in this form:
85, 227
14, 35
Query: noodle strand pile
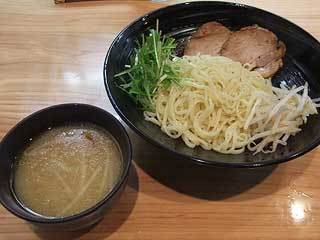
220, 105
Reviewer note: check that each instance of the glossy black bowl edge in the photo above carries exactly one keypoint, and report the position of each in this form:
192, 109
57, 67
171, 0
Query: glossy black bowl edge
216, 3
104, 204
200, 161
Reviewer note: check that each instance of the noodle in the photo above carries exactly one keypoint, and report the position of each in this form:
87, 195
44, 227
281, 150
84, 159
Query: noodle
222, 106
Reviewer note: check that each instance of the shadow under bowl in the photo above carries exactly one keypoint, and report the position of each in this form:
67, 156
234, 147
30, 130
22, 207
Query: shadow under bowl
30, 127
180, 21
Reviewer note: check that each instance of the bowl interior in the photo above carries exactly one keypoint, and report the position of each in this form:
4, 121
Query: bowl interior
30, 127
179, 21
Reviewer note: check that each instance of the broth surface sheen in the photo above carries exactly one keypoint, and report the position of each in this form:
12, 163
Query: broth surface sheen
67, 170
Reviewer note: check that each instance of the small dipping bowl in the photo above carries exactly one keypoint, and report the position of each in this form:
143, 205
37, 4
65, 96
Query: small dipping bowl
35, 124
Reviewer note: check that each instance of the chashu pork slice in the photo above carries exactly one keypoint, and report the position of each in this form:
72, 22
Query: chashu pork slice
208, 39
256, 46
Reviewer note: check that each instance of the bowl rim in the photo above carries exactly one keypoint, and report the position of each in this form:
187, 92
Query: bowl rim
127, 165
199, 160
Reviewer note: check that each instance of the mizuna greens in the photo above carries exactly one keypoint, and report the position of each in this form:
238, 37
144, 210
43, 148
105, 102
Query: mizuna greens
150, 68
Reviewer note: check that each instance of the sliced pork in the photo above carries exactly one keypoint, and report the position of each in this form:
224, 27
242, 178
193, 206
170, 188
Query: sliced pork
257, 47
208, 39
253, 45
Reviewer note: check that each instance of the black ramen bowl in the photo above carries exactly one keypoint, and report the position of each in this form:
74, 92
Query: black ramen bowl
30, 127
180, 21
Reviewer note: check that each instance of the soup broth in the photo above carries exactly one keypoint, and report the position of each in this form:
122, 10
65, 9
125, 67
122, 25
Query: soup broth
67, 170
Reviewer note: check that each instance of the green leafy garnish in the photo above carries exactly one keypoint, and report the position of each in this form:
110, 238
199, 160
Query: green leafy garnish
150, 68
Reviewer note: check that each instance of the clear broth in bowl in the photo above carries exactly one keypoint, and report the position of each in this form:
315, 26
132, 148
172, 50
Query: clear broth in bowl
67, 170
